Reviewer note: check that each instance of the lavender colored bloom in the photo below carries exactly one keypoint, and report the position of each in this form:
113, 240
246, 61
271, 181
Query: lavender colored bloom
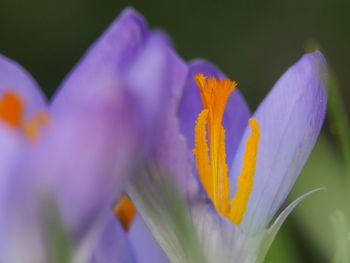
64, 163
263, 161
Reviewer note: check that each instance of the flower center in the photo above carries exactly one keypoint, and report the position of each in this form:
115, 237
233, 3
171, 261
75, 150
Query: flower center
211, 160
125, 211
12, 113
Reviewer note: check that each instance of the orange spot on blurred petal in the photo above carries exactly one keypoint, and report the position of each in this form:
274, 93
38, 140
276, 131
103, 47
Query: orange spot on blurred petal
125, 211
11, 109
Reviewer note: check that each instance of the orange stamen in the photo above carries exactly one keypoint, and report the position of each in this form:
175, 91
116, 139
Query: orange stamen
214, 96
245, 180
11, 109
211, 161
125, 211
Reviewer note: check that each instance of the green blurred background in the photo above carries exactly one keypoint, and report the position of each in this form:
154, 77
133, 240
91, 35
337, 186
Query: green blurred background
254, 42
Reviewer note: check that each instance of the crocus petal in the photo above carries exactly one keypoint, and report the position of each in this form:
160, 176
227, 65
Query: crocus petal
290, 119
77, 168
112, 244
151, 78
145, 248
169, 162
14, 77
12, 145
220, 240
166, 214
18, 242
85, 158
127, 61
236, 114
170, 153
100, 72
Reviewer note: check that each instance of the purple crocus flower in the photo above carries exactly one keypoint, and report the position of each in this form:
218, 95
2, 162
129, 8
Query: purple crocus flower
236, 179
65, 163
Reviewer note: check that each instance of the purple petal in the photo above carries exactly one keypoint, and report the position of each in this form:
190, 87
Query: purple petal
12, 145
170, 153
150, 79
290, 119
112, 245
220, 240
109, 143
144, 246
100, 72
85, 159
236, 114
81, 163
14, 77
20, 225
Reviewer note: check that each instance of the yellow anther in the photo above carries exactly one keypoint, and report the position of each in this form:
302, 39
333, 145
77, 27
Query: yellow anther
213, 170
125, 211
245, 180
201, 151
211, 160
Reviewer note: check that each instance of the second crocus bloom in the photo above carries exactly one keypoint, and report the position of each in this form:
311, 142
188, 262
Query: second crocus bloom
65, 163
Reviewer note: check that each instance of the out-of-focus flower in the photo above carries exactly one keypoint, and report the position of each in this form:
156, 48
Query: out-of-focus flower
244, 172
64, 164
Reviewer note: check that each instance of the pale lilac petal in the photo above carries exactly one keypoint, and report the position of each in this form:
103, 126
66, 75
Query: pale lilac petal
219, 239
236, 114
78, 167
14, 77
21, 238
170, 153
144, 246
290, 119
101, 71
86, 156
18, 242
165, 212
150, 79
126, 61
12, 145
85, 159
112, 244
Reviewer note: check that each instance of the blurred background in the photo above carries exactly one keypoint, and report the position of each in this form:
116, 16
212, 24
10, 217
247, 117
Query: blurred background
253, 42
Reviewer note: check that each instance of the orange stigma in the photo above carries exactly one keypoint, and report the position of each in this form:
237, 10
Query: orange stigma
211, 158
12, 109
125, 211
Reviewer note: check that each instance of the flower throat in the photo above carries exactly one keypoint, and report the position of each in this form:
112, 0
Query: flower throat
211, 158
